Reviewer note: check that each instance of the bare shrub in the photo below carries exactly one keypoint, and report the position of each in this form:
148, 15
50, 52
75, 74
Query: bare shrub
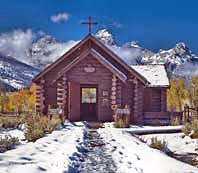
37, 126
53, 124
121, 121
10, 122
191, 129
119, 124
158, 144
34, 128
8, 142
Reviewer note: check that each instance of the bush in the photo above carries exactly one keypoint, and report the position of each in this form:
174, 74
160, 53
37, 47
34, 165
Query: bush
119, 124
121, 120
10, 122
8, 142
34, 134
158, 144
37, 126
191, 129
52, 124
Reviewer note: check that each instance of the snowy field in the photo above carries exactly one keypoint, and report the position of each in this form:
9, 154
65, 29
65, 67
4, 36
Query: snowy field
131, 155
49, 154
14, 133
176, 142
55, 153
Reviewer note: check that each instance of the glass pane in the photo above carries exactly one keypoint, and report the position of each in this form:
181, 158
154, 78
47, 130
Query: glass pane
88, 95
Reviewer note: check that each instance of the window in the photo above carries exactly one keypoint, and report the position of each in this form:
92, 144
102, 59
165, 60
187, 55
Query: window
88, 95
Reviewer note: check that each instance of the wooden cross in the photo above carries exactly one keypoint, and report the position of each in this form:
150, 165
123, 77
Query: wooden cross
89, 23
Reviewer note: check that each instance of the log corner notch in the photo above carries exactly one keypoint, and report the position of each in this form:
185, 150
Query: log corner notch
138, 102
62, 93
113, 93
40, 98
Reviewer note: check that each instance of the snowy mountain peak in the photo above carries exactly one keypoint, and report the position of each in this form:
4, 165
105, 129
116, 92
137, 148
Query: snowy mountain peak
181, 46
132, 44
15, 74
105, 36
43, 42
182, 49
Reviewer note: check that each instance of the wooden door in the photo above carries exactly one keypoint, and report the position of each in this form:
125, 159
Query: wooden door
88, 106
74, 101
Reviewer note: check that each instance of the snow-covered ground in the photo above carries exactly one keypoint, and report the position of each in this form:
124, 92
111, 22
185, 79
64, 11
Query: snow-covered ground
56, 152
131, 155
177, 142
14, 133
49, 154
136, 129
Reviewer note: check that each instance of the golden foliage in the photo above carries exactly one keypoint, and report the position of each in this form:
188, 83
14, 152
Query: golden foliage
182, 92
177, 94
193, 92
20, 101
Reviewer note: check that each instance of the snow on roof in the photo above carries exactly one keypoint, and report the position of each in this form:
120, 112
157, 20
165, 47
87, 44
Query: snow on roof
156, 75
105, 59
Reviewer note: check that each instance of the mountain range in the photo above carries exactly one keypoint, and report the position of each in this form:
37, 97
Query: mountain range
15, 74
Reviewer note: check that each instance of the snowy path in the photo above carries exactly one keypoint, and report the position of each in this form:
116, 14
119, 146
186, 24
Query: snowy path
75, 149
49, 154
94, 157
131, 155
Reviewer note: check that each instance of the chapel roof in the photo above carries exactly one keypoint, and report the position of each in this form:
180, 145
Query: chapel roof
155, 74
151, 75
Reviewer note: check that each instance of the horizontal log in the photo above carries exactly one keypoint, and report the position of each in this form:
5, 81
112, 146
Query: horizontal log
113, 102
113, 93
113, 97
113, 84
114, 79
159, 115
60, 98
113, 88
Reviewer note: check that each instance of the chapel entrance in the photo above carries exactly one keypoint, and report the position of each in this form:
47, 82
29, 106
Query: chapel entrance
88, 102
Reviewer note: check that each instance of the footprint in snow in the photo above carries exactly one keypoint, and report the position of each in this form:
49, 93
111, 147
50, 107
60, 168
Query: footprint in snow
129, 163
26, 158
138, 158
120, 152
42, 169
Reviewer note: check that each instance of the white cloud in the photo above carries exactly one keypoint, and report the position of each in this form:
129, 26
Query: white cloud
49, 53
117, 25
16, 42
129, 55
60, 17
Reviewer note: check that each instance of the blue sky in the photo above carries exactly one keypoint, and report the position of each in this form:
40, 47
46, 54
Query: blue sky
154, 23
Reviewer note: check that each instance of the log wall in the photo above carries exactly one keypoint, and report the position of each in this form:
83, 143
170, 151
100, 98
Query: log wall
40, 97
102, 78
138, 102
62, 91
